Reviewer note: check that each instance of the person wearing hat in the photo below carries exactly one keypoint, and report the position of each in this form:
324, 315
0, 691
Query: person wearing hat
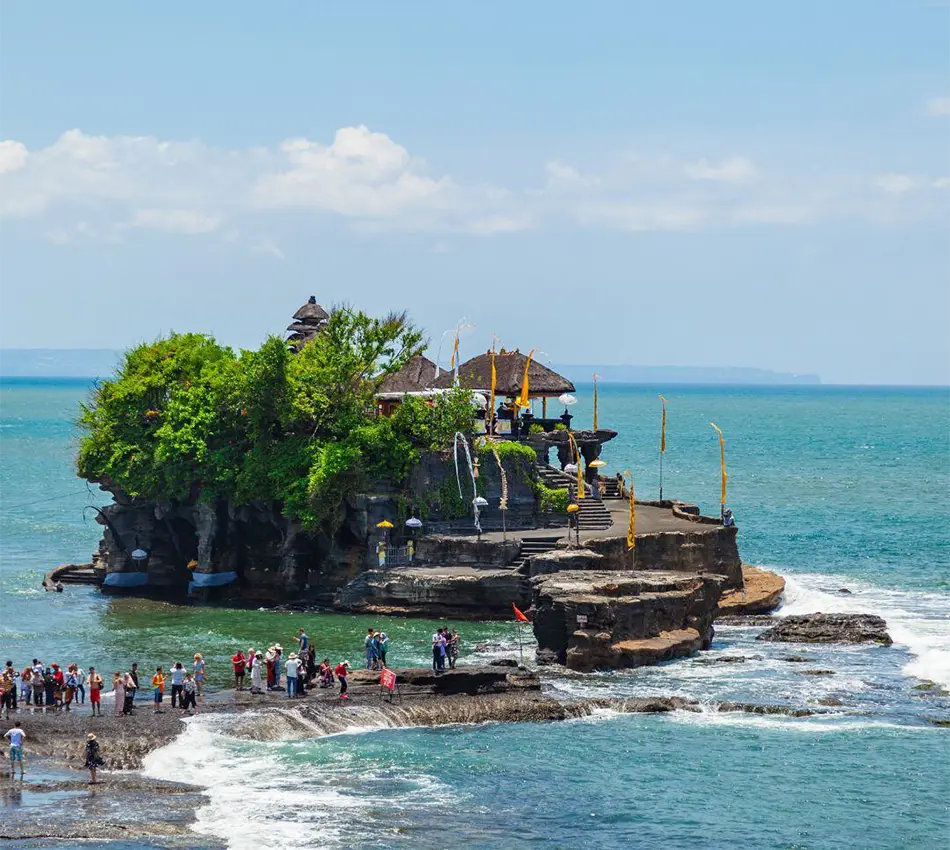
291, 669
342, 671
278, 664
93, 757
257, 662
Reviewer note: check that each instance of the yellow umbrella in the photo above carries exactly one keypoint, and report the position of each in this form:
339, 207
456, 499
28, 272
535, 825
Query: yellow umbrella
384, 524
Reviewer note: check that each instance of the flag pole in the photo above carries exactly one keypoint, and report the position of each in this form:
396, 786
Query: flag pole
662, 443
520, 643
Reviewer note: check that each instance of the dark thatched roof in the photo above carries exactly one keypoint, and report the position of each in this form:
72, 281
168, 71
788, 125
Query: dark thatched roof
417, 375
509, 366
312, 311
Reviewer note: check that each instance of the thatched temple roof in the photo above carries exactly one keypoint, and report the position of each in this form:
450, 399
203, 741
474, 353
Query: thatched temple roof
310, 319
509, 366
417, 375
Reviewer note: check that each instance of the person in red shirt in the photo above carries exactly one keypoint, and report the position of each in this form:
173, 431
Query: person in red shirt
240, 665
342, 671
60, 681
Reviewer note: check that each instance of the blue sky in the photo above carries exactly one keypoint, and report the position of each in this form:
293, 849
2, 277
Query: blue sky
740, 184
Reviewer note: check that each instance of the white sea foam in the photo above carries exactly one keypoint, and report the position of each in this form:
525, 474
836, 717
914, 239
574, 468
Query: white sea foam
267, 794
821, 723
918, 621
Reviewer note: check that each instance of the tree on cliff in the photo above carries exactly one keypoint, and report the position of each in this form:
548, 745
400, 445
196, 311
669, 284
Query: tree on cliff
186, 419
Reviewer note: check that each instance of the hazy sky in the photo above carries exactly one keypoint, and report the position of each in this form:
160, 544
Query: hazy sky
687, 183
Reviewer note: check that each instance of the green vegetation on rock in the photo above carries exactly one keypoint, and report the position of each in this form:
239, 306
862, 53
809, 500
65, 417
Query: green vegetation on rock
186, 419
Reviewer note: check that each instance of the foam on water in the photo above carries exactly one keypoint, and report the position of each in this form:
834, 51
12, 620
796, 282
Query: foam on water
275, 793
916, 620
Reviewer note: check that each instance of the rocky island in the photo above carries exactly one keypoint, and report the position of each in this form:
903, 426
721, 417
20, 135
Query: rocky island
340, 468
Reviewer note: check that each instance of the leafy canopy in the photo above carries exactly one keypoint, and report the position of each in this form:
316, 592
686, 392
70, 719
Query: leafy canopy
187, 419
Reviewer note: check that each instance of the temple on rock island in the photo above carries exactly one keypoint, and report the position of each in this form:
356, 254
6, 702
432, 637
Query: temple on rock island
516, 507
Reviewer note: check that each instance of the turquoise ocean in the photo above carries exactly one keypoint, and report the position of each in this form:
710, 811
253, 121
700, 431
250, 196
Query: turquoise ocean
832, 487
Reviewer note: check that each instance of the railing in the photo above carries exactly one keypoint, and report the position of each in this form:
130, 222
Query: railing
380, 557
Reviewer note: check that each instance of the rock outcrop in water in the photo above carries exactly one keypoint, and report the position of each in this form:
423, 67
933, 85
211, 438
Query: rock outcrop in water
761, 593
466, 593
611, 620
829, 628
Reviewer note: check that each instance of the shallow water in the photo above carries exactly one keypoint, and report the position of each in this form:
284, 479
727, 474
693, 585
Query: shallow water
833, 487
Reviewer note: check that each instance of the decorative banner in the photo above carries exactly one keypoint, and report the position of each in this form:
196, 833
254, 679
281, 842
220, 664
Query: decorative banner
596, 376
632, 523
663, 427
490, 410
722, 461
523, 400
387, 679
581, 483
455, 350
519, 616
503, 504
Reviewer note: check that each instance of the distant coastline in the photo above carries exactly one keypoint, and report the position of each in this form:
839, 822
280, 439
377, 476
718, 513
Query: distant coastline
101, 363
629, 374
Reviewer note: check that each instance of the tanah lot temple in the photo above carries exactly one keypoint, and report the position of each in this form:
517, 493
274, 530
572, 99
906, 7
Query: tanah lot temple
523, 511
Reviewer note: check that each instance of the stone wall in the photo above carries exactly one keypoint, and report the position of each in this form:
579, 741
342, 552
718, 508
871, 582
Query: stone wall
708, 550
627, 618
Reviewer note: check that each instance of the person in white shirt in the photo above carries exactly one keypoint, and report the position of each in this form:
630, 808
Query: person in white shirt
178, 684
291, 669
16, 736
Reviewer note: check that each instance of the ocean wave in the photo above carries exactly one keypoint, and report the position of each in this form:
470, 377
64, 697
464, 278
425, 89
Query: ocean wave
916, 620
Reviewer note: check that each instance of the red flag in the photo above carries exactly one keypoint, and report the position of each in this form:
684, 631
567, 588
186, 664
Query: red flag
518, 615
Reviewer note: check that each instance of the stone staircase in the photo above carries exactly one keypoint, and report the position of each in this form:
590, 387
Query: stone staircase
593, 515
531, 546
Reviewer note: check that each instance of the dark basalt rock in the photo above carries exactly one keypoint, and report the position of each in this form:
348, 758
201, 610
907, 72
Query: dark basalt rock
816, 672
729, 659
829, 628
627, 619
797, 659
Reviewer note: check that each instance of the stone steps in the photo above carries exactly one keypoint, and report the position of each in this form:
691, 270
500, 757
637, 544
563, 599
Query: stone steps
532, 546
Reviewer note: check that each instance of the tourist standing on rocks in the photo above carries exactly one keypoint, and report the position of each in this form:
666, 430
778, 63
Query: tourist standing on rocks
134, 676
200, 673
6, 692
71, 683
189, 689
81, 684
383, 647
257, 663
342, 671
158, 688
326, 674
26, 685
39, 683
95, 691
278, 664
49, 688
9, 670
302, 640
302, 678
93, 757
178, 684
58, 682
369, 642
128, 703
438, 652
118, 691
240, 664
16, 736
291, 670
455, 640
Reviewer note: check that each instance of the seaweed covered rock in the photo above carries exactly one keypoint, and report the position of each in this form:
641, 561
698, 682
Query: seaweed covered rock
829, 628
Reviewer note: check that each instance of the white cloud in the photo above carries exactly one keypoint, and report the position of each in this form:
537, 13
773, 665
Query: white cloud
736, 169
179, 221
895, 184
13, 156
561, 175
938, 106
942, 183
638, 217
269, 247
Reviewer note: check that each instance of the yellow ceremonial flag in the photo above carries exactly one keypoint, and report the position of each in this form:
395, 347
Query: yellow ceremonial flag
455, 352
722, 461
632, 526
491, 395
663, 427
523, 400
581, 484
